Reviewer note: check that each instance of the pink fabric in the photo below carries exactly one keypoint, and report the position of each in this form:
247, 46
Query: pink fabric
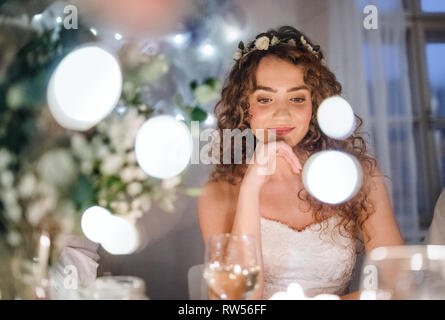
82, 253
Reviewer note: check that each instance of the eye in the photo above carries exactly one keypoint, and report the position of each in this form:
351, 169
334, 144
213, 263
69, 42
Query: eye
298, 100
263, 100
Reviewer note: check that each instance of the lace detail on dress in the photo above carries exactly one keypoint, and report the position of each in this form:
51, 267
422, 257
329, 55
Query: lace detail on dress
320, 262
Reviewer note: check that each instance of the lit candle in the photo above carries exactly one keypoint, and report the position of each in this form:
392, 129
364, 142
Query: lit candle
44, 244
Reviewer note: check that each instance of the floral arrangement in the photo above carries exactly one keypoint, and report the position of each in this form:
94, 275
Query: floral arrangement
84, 169
48, 175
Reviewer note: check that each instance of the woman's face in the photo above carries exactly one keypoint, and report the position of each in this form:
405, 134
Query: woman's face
280, 100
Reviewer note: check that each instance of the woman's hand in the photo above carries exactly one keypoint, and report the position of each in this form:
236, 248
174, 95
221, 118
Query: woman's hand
264, 162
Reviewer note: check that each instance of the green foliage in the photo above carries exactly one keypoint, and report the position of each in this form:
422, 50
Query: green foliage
193, 192
82, 192
207, 92
198, 114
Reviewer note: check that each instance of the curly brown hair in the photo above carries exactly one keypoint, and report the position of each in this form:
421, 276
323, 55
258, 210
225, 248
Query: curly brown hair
232, 112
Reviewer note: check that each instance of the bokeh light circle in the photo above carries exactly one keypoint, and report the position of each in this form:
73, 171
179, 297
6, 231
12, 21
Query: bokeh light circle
121, 236
332, 177
116, 234
92, 222
336, 118
84, 88
163, 147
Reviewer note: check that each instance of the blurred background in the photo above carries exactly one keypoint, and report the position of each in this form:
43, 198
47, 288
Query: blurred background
167, 60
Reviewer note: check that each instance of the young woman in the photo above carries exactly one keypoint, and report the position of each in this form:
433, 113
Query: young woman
277, 83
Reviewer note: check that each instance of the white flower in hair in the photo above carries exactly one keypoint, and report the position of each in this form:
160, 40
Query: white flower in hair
238, 54
307, 45
262, 43
291, 42
274, 41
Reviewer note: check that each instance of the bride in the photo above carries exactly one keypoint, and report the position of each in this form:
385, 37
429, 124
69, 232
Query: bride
278, 81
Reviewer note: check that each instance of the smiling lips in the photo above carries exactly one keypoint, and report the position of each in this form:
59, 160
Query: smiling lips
282, 131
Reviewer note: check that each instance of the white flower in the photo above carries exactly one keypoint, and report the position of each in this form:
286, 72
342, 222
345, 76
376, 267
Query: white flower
80, 146
133, 189
14, 212
102, 151
5, 158
128, 174
122, 131
205, 94
238, 54
292, 42
102, 127
143, 202
27, 185
15, 96
57, 167
36, 211
6, 179
86, 167
45, 190
14, 238
310, 49
135, 204
112, 164
48, 195
274, 41
131, 157
113, 204
171, 182
140, 174
262, 43
303, 40
49, 203
122, 207
9, 197
151, 72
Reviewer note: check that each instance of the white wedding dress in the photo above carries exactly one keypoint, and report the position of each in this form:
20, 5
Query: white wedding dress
318, 265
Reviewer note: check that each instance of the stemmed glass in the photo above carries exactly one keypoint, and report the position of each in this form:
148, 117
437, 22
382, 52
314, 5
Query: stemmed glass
404, 273
232, 266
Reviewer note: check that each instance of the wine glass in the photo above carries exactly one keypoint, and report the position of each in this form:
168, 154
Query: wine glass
404, 273
232, 266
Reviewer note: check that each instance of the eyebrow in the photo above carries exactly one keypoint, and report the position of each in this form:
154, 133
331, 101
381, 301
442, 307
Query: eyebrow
303, 87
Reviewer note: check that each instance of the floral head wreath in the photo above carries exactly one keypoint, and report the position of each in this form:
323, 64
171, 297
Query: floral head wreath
265, 42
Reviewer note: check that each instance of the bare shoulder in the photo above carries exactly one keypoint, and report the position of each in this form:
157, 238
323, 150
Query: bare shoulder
381, 226
217, 207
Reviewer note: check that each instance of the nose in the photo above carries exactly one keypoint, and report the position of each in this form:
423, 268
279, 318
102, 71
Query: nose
282, 109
